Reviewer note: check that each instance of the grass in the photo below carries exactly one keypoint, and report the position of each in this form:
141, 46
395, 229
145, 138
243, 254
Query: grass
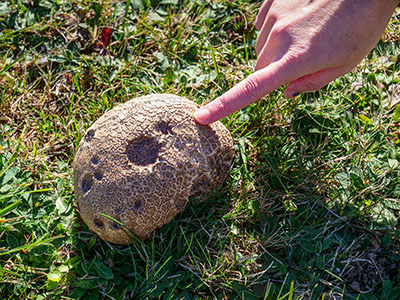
311, 210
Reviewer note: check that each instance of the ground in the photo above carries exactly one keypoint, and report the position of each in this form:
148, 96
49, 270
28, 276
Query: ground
311, 206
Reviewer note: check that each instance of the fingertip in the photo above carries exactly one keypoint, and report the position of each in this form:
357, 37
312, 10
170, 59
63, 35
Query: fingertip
289, 94
202, 116
249, 90
262, 14
258, 23
295, 94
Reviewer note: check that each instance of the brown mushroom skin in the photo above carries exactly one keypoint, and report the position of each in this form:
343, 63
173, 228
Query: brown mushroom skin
140, 162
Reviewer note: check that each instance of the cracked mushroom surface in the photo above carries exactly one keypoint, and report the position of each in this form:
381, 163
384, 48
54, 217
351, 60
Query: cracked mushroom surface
140, 162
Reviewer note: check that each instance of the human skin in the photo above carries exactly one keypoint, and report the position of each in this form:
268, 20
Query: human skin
305, 44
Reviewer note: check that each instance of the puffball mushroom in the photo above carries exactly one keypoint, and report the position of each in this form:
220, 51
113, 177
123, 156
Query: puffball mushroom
139, 163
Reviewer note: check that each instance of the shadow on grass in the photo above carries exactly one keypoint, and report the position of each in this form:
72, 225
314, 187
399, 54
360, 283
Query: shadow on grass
331, 200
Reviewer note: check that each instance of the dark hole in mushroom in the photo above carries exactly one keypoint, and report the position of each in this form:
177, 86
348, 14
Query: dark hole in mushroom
87, 183
138, 205
89, 135
164, 127
98, 223
143, 151
98, 175
94, 160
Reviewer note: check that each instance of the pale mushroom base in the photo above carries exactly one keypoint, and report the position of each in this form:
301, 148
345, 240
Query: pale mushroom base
140, 162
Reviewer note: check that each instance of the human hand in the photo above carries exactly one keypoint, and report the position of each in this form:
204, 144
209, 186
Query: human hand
306, 44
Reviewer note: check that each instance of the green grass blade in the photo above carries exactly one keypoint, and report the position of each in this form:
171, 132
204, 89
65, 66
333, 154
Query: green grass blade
9, 208
27, 247
18, 59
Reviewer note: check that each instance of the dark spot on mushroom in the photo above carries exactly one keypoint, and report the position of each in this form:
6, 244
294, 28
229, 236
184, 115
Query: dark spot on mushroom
138, 205
143, 151
89, 135
87, 183
114, 226
118, 210
201, 187
180, 203
164, 127
98, 175
99, 223
178, 144
94, 160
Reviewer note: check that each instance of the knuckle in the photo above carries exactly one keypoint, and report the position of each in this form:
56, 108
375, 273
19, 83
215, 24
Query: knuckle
251, 87
297, 55
279, 32
220, 105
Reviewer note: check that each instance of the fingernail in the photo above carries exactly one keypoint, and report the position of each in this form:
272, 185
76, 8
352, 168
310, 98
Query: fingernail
202, 115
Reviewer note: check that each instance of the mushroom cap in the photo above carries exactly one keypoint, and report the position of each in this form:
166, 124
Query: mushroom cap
140, 162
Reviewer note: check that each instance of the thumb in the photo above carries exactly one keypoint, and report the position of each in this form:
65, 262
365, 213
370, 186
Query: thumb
255, 86
314, 81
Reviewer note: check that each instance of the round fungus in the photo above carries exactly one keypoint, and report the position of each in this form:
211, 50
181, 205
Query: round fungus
140, 162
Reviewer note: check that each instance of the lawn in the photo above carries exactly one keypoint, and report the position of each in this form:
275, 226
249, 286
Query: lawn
310, 210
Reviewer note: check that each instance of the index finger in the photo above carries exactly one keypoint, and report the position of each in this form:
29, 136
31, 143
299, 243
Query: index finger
255, 86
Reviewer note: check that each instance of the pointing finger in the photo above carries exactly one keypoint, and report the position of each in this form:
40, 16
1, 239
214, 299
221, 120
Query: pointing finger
246, 92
